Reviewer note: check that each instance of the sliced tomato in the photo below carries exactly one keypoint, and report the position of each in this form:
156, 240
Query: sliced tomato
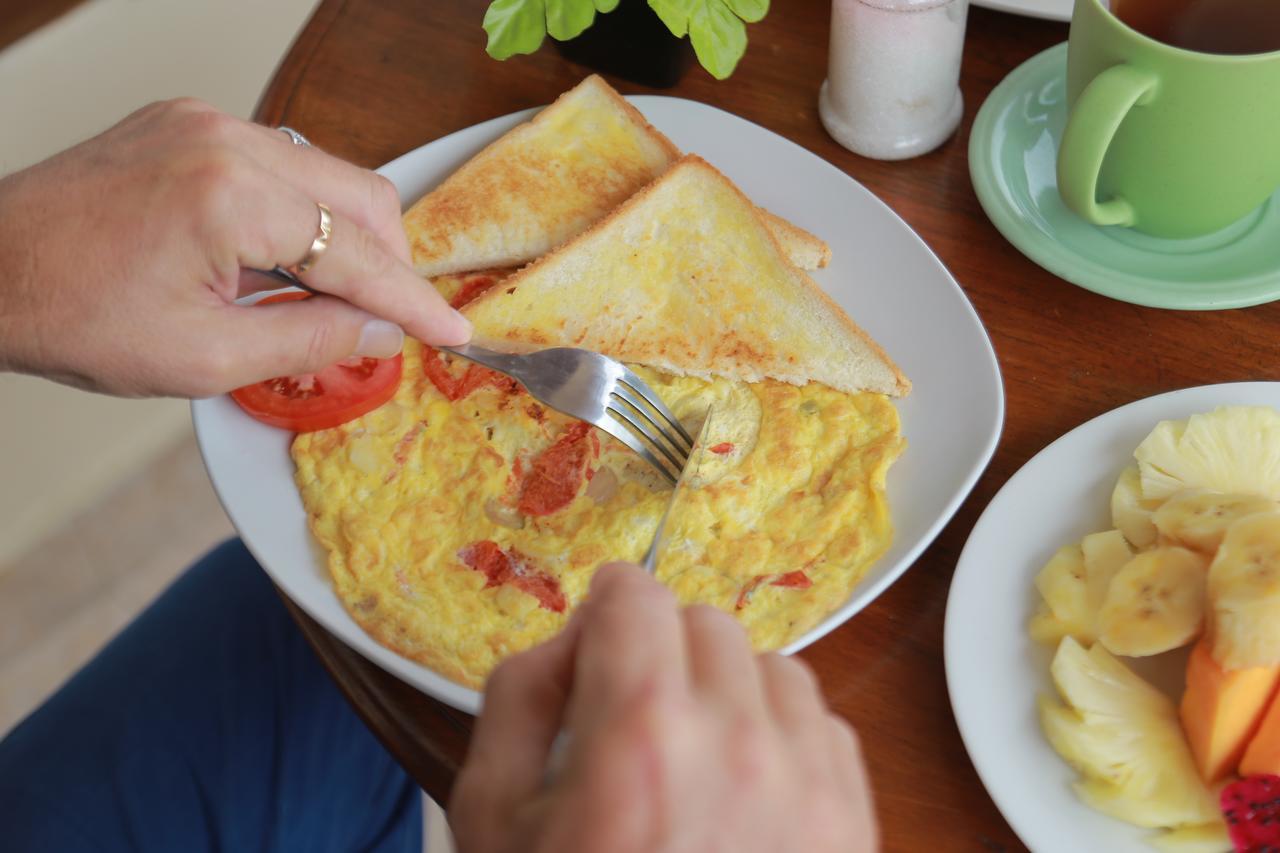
312, 401
559, 471
793, 580
790, 580
744, 596
456, 387
472, 289
722, 448
511, 567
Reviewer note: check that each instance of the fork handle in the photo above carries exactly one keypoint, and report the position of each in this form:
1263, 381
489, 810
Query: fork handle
499, 361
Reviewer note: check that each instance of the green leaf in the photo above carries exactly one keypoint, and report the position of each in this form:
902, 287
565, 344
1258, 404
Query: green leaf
606, 5
514, 26
675, 14
749, 10
567, 19
719, 37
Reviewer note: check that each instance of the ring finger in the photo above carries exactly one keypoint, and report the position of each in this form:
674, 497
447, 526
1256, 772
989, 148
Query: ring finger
363, 196
276, 226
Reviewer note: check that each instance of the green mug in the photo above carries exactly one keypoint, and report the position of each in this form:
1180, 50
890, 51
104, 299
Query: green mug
1176, 143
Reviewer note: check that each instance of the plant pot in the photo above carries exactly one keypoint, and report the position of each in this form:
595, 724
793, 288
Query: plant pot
631, 42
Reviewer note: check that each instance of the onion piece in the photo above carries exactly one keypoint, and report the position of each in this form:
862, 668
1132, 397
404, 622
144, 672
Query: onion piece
603, 485
503, 514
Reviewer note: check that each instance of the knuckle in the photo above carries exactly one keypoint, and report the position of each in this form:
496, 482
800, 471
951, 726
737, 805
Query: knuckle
184, 106
386, 198
627, 582
370, 254
216, 370
211, 183
637, 727
641, 728
800, 672
709, 616
201, 121
844, 733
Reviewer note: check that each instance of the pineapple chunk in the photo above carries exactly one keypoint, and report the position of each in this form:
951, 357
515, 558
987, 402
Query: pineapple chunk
1244, 593
1123, 736
1209, 838
1074, 584
1105, 554
1231, 449
1130, 513
1065, 611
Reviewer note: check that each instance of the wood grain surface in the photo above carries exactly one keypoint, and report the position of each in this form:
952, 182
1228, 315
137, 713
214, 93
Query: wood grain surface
18, 18
371, 79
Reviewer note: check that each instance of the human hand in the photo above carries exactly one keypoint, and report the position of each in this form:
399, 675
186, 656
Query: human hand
680, 739
122, 258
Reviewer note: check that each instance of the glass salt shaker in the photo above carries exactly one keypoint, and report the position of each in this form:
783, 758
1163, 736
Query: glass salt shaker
892, 88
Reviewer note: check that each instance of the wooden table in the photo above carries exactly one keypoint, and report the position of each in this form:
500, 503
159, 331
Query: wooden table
371, 79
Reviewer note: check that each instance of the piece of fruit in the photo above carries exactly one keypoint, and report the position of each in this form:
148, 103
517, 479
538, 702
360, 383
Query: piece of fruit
1205, 838
1065, 611
1044, 627
1251, 807
1221, 710
1233, 449
1244, 593
312, 401
1104, 555
1123, 736
1154, 604
1074, 584
1199, 518
1262, 755
1130, 513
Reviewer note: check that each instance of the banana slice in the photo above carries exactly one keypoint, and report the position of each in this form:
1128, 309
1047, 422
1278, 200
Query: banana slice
1154, 604
1244, 593
1129, 512
1199, 518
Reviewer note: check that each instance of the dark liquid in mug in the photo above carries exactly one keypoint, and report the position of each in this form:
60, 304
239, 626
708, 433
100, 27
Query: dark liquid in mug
1208, 26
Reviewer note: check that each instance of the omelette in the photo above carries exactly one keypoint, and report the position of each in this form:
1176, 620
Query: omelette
463, 520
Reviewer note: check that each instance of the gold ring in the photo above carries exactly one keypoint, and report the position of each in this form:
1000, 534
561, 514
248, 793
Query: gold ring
319, 244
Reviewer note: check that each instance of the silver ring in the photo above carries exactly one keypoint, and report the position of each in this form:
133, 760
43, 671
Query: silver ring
298, 138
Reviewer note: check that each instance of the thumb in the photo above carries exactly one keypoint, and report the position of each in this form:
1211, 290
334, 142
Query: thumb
304, 336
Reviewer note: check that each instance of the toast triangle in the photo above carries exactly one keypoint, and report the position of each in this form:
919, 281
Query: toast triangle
685, 277
548, 180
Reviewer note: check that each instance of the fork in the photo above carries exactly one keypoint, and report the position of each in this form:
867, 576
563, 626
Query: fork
599, 390
585, 385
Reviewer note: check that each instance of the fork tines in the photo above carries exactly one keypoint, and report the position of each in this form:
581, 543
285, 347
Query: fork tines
642, 410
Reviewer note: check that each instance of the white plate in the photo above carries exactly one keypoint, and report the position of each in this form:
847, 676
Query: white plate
1053, 10
994, 670
881, 273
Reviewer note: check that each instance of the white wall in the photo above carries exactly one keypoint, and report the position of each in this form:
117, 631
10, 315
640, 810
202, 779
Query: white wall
62, 449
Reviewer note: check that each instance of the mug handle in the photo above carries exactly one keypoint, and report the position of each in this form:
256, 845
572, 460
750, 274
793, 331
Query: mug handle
1095, 117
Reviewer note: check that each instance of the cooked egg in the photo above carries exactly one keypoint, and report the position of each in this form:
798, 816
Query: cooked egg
461, 531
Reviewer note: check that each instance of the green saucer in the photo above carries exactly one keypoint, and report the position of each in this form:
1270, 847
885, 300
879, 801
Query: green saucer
1013, 150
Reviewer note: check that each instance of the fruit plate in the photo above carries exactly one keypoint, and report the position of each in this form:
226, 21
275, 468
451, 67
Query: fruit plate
881, 272
994, 670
